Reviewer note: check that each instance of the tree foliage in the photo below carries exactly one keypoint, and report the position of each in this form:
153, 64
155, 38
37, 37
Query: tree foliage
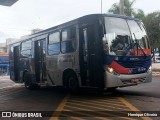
152, 24
128, 9
151, 21
139, 14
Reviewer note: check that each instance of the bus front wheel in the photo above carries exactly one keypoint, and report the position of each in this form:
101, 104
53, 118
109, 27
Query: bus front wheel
71, 82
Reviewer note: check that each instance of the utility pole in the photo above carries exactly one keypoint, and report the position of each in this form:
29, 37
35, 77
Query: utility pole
101, 6
121, 7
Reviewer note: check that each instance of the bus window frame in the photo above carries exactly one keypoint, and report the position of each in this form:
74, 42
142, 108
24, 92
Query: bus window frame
48, 44
73, 39
21, 50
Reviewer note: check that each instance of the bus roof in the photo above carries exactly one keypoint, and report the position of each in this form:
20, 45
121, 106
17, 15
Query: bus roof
86, 17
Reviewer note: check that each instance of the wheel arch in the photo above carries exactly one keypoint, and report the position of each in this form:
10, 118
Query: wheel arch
68, 71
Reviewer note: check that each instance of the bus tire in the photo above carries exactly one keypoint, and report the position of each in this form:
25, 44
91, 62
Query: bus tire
112, 89
71, 82
28, 82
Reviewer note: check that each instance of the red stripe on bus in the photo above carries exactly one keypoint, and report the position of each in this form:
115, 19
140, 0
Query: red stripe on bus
118, 68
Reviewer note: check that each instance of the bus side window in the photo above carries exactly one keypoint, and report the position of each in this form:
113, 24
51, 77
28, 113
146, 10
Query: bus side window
26, 48
68, 43
54, 43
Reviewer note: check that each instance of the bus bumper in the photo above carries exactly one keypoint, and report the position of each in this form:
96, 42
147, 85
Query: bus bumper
122, 80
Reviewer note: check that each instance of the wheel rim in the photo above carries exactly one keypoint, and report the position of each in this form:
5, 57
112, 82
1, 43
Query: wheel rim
72, 83
27, 83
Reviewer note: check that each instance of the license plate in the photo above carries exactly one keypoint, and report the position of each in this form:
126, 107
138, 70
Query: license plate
135, 80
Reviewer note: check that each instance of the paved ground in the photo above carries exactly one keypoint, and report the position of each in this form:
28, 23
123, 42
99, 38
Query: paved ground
5, 82
156, 69
82, 106
144, 98
156, 66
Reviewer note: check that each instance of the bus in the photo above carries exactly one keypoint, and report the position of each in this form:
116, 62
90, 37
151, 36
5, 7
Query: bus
103, 51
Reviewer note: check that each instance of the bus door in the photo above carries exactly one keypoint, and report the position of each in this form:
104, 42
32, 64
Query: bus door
40, 57
16, 62
89, 55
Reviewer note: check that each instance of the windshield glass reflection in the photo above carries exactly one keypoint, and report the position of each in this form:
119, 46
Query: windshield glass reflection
118, 39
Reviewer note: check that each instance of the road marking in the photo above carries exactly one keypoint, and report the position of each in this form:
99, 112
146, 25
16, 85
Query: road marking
84, 103
89, 115
99, 99
101, 102
60, 108
84, 114
81, 108
132, 107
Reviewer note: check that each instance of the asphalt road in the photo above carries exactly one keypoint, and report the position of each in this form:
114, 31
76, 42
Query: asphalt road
14, 97
145, 97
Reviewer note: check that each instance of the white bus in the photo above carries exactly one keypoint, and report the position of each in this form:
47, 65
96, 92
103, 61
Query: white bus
100, 50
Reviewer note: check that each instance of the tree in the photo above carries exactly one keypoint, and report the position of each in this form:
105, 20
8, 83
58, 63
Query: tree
128, 9
139, 14
152, 24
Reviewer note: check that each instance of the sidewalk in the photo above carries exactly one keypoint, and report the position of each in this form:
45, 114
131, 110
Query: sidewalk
5, 76
156, 69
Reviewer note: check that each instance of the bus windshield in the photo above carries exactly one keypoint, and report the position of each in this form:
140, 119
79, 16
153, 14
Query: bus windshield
124, 37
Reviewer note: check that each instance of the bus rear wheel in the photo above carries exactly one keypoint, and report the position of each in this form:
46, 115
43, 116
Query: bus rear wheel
28, 82
71, 82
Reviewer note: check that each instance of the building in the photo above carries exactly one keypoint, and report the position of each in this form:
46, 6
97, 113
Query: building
8, 42
3, 47
4, 56
4, 63
4, 60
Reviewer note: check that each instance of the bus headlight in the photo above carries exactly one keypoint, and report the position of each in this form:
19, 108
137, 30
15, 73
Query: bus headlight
112, 71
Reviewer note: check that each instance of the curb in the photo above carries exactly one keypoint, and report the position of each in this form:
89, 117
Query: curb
156, 74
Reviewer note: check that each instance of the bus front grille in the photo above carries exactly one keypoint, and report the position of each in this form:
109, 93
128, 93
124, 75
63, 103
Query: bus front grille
138, 80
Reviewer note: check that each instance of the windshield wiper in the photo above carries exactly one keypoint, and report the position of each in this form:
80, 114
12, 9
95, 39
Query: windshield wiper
138, 46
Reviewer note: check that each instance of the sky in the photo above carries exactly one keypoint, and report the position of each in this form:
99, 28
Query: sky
25, 15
